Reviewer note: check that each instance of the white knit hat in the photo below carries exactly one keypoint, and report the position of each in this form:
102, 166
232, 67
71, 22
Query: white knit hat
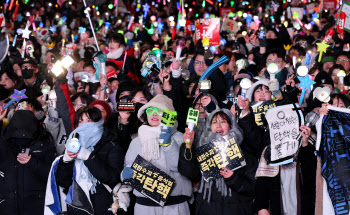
159, 101
251, 89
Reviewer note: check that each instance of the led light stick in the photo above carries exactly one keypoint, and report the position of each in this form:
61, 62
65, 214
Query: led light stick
45, 89
341, 74
53, 98
213, 67
305, 83
179, 45
168, 120
17, 96
272, 69
130, 22
86, 11
245, 84
82, 31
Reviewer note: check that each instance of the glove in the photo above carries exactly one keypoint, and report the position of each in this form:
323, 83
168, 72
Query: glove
83, 154
274, 87
127, 173
66, 158
165, 135
336, 38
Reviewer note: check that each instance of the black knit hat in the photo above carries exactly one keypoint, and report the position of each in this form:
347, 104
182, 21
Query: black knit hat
23, 124
323, 78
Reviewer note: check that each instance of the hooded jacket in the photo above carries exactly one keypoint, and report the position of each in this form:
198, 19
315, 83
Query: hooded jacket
23, 185
232, 195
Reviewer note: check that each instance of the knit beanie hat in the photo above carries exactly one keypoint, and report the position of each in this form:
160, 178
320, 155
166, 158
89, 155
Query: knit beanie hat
328, 59
105, 105
22, 125
159, 101
323, 78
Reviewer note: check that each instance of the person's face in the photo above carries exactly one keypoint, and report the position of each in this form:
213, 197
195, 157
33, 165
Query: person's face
124, 93
273, 58
344, 61
327, 66
6, 82
89, 69
17, 69
220, 125
110, 68
154, 119
334, 76
271, 35
47, 59
113, 85
338, 103
313, 75
262, 94
251, 57
294, 53
113, 45
232, 65
84, 119
199, 65
139, 97
80, 66
77, 104
103, 111
200, 108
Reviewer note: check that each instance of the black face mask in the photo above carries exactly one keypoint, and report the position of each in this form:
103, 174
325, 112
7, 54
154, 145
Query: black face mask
27, 73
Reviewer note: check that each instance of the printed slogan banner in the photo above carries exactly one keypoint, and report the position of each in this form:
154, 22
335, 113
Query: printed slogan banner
209, 28
217, 154
284, 122
335, 155
151, 181
260, 108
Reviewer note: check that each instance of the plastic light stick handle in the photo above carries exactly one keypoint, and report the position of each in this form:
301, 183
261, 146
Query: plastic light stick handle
44, 97
130, 22
341, 79
92, 27
7, 105
14, 41
302, 97
272, 77
190, 126
178, 52
24, 49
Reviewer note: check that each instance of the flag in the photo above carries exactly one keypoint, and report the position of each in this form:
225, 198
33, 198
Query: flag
334, 151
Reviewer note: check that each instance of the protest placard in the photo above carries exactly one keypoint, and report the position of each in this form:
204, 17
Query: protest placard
209, 28
151, 181
217, 154
346, 9
284, 122
260, 108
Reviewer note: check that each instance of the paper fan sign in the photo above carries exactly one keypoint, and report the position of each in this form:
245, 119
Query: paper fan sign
284, 122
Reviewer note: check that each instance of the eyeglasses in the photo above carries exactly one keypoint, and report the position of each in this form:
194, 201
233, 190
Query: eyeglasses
198, 105
198, 62
274, 61
151, 110
340, 60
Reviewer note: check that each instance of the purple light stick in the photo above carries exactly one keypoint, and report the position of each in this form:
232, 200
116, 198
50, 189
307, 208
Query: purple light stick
17, 96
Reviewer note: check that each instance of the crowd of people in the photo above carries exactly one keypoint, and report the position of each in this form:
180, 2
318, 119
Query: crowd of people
69, 69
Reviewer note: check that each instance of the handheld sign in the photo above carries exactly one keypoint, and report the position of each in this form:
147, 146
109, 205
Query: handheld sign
213, 156
168, 120
260, 108
192, 120
284, 122
126, 106
151, 181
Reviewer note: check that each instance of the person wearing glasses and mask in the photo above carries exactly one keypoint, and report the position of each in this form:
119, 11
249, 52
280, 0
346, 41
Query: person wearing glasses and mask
164, 156
344, 60
217, 78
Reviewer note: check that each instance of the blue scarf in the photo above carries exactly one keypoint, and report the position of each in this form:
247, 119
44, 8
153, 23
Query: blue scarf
89, 135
